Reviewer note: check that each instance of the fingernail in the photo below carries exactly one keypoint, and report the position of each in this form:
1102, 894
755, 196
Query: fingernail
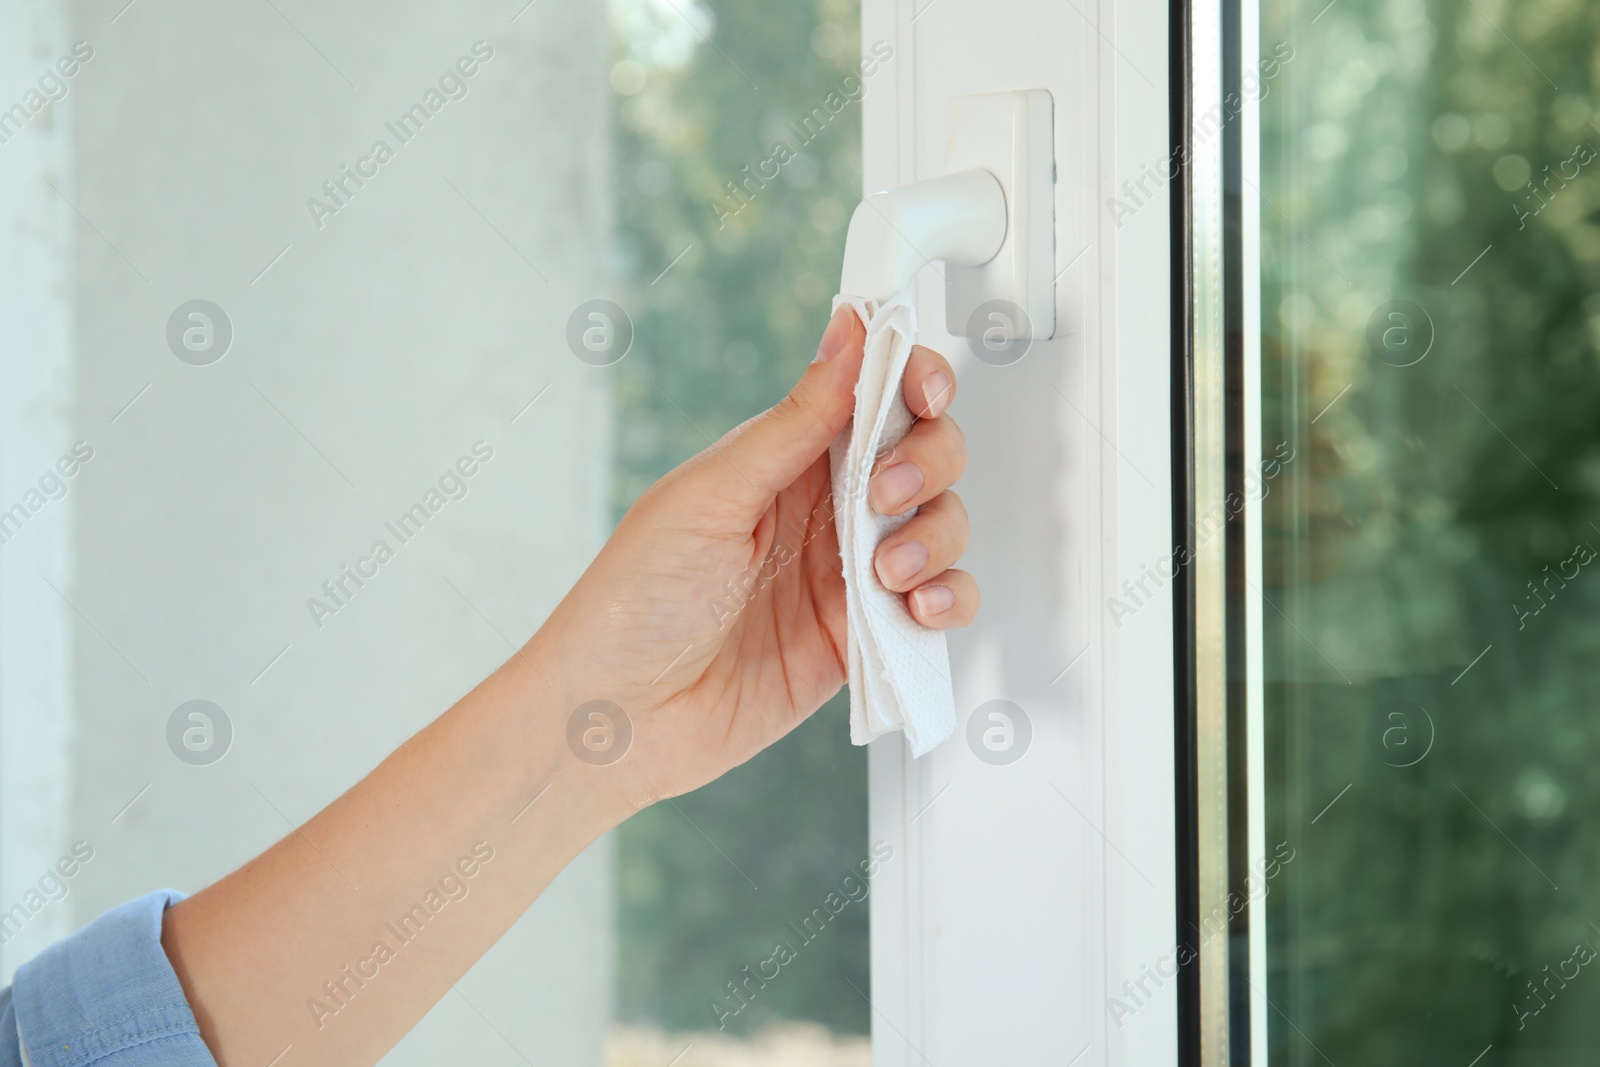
936, 391
834, 337
902, 563
934, 600
891, 488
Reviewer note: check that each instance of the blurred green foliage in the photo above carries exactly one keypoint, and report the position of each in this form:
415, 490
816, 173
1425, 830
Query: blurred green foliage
1423, 150
727, 312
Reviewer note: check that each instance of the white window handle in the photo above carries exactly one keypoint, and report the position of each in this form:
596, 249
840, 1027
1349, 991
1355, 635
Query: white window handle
959, 219
991, 220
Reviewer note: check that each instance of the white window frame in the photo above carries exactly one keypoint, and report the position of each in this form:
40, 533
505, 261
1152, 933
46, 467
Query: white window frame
1023, 897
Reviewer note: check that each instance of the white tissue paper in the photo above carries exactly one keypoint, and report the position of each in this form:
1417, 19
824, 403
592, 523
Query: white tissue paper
899, 669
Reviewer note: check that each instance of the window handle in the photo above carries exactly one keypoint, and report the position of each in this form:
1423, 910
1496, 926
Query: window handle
990, 219
959, 219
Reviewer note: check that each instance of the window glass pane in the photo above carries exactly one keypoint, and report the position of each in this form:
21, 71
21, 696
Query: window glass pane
736, 176
1430, 371
273, 275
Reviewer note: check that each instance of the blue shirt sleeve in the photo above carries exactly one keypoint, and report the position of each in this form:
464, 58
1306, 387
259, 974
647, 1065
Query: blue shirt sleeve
106, 994
10, 1043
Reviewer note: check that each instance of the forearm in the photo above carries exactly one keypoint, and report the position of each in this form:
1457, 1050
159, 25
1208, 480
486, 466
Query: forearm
330, 940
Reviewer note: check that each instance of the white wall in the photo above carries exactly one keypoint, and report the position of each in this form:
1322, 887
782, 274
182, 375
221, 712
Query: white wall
369, 357
36, 390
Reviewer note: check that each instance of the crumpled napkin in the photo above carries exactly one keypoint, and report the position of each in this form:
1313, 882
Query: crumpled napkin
899, 669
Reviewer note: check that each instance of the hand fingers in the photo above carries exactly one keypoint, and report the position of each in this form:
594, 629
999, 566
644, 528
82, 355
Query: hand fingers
945, 602
924, 464
929, 383
925, 547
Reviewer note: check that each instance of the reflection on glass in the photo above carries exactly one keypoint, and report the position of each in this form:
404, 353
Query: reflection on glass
1431, 359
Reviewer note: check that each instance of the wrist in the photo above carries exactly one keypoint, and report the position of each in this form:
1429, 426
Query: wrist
574, 744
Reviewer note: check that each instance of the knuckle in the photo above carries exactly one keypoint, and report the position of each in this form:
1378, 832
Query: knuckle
933, 356
951, 431
960, 534
795, 403
947, 520
954, 447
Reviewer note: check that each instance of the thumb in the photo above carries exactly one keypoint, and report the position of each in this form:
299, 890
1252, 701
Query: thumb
768, 452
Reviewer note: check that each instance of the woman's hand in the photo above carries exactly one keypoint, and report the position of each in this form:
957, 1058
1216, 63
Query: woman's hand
714, 618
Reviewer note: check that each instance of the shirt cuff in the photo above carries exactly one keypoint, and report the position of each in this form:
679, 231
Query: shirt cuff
109, 991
